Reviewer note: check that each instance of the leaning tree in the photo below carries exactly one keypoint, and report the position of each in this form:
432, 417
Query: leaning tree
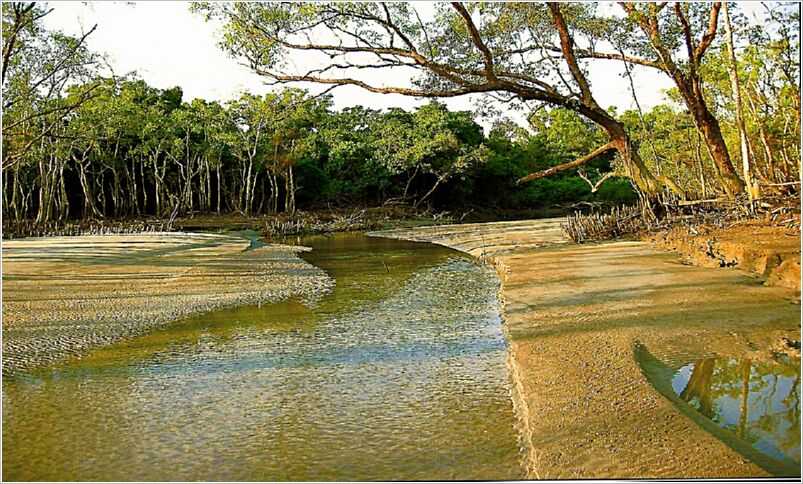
674, 40
518, 52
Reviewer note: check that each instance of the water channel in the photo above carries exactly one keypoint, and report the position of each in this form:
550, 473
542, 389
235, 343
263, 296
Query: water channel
399, 373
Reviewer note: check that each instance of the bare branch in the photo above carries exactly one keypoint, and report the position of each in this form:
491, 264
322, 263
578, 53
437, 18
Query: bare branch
368, 87
567, 166
687, 36
708, 37
567, 46
594, 186
622, 57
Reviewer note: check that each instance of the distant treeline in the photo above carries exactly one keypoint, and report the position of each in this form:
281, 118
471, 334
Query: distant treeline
132, 150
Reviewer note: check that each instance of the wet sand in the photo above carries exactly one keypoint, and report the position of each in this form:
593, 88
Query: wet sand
65, 295
576, 316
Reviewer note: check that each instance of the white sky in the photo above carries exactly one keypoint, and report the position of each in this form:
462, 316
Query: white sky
169, 46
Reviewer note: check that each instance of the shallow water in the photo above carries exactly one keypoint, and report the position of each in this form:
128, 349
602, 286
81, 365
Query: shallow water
399, 374
758, 402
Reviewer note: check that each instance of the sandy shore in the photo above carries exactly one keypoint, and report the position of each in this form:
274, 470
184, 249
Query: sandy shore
65, 295
576, 316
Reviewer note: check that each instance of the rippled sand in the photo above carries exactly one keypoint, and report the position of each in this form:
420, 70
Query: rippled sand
576, 314
64, 295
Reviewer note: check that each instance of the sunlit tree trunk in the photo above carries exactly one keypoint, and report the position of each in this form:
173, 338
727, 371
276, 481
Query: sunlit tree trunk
751, 185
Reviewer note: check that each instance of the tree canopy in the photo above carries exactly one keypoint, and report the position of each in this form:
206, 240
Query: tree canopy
523, 51
79, 142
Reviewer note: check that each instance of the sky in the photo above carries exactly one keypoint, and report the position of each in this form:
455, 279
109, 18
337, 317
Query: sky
168, 46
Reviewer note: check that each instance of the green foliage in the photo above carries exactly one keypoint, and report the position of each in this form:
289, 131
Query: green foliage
76, 144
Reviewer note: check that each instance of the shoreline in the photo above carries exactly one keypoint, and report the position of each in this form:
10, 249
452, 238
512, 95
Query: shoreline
573, 311
576, 426
302, 222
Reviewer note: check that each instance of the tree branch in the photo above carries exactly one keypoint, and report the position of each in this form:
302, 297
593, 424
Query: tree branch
708, 37
567, 166
477, 39
594, 186
686, 33
633, 60
567, 46
382, 90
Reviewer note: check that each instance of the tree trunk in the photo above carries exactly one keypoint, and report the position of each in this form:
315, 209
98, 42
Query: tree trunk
64, 202
115, 192
292, 191
649, 184
409, 180
689, 85
698, 156
247, 187
219, 193
712, 135
14, 204
144, 190
751, 184
275, 196
645, 182
253, 189
272, 183
208, 195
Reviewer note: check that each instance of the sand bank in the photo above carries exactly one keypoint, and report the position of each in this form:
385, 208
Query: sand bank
65, 295
575, 316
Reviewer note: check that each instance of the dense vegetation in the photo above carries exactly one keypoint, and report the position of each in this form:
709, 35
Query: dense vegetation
80, 144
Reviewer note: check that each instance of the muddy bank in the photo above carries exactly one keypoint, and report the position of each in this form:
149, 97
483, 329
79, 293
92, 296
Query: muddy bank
65, 295
770, 252
575, 316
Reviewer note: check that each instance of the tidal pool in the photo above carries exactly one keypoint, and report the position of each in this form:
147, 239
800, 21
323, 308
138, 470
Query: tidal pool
758, 402
753, 406
398, 374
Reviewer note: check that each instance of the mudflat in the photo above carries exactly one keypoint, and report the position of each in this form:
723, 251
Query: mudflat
580, 319
65, 295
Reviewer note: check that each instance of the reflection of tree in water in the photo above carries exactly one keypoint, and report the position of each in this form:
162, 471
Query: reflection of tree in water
721, 389
698, 389
793, 400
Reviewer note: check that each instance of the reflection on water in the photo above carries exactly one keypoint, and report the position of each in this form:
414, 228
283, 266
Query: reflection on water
759, 402
399, 373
